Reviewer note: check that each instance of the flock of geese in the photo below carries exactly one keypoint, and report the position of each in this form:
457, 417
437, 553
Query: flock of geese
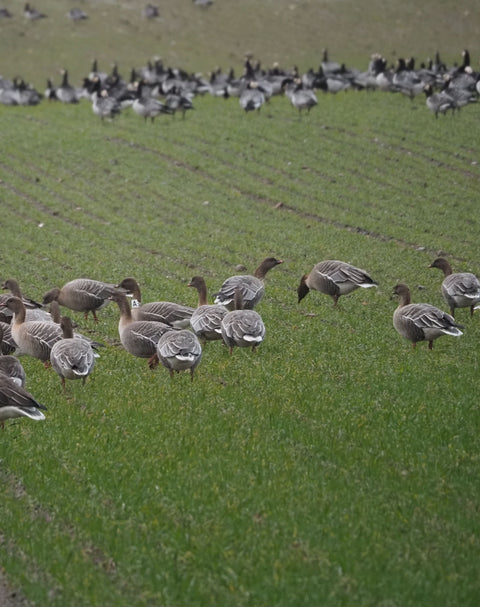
173, 335
157, 89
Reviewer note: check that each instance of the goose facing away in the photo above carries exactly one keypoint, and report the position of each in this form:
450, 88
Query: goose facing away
206, 320
81, 295
168, 312
138, 337
71, 357
15, 401
459, 290
179, 351
252, 288
11, 366
334, 278
422, 321
242, 328
35, 338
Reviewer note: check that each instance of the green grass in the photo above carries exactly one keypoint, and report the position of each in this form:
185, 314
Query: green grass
335, 466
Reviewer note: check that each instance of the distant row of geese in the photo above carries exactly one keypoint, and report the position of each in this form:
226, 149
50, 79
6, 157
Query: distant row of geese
157, 89
174, 334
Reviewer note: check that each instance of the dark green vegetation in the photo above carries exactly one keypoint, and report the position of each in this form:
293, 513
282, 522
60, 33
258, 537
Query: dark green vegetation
335, 466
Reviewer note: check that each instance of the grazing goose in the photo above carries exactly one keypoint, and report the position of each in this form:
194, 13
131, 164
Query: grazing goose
252, 287
81, 295
138, 337
71, 357
76, 14
5, 13
334, 278
421, 322
33, 309
168, 312
8, 345
301, 97
459, 290
32, 14
242, 328
147, 106
252, 97
179, 351
438, 103
103, 104
34, 337
15, 401
206, 320
150, 11
11, 366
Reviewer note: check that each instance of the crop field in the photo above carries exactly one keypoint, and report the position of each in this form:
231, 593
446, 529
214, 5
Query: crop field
333, 466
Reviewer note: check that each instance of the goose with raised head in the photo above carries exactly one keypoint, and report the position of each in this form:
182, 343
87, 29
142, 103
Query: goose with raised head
33, 308
300, 96
66, 93
242, 328
252, 287
138, 337
460, 289
421, 321
168, 312
10, 365
206, 320
32, 14
103, 105
81, 295
334, 278
252, 97
147, 106
179, 351
33, 337
71, 357
15, 401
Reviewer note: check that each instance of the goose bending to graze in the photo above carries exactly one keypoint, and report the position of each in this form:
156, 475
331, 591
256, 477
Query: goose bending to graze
147, 106
242, 328
35, 338
422, 321
334, 278
81, 295
71, 357
459, 290
11, 366
252, 97
251, 287
438, 103
168, 312
15, 401
103, 104
206, 320
138, 337
33, 309
179, 351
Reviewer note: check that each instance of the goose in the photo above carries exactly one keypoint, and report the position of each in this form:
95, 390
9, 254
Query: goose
56, 315
150, 11
81, 295
177, 101
15, 401
8, 345
147, 106
5, 13
11, 366
76, 14
252, 97
65, 92
71, 357
206, 320
32, 308
422, 321
168, 312
32, 14
33, 337
252, 287
438, 103
102, 104
334, 278
242, 328
138, 337
179, 351
329, 67
301, 97
459, 290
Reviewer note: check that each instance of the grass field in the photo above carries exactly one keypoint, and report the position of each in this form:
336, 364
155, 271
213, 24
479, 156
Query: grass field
335, 466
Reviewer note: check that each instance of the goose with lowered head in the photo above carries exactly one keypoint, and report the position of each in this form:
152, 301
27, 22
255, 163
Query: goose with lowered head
242, 328
179, 351
15, 401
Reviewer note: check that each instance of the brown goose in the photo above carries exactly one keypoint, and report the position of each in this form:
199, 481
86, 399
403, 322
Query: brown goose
242, 328
459, 290
179, 351
33, 308
422, 321
252, 287
11, 366
334, 278
8, 345
138, 337
81, 295
33, 337
206, 320
15, 401
170, 313
71, 357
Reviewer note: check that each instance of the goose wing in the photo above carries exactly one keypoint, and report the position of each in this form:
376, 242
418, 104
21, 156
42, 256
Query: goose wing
250, 286
464, 284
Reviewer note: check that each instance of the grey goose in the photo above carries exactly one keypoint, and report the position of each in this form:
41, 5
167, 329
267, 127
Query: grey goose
460, 289
81, 295
242, 328
179, 351
15, 402
206, 320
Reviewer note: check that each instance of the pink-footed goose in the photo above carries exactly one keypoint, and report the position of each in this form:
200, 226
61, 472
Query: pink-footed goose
460, 289
33, 309
81, 295
421, 321
206, 320
11, 366
242, 328
179, 351
15, 401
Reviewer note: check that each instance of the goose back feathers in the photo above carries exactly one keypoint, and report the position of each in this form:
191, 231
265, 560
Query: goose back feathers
459, 290
179, 351
81, 295
15, 401
206, 320
242, 328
